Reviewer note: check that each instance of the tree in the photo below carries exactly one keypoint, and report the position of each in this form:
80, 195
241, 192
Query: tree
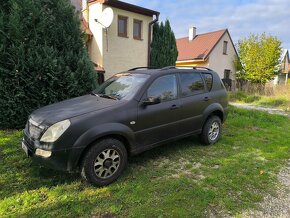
42, 58
163, 47
259, 56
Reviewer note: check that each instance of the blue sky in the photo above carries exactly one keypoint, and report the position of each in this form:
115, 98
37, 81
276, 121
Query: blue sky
241, 17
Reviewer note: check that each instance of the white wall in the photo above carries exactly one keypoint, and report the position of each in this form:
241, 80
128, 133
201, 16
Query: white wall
219, 62
95, 46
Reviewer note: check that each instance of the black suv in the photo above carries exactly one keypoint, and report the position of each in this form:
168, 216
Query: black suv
131, 112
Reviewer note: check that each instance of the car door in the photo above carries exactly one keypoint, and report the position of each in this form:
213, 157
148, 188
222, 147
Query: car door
194, 99
159, 122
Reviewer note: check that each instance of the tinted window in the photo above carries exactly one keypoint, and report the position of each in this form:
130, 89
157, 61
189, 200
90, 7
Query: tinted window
164, 87
191, 84
208, 80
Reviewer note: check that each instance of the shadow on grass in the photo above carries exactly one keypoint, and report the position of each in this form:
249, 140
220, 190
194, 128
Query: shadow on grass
20, 174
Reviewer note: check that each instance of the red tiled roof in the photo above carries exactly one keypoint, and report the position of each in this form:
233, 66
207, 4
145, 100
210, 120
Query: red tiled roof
200, 47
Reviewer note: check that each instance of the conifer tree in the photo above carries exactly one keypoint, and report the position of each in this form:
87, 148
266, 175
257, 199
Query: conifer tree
42, 58
163, 47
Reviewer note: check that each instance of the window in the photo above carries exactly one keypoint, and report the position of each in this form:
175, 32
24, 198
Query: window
122, 86
227, 74
164, 87
191, 84
137, 29
122, 26
225, 47
207, 77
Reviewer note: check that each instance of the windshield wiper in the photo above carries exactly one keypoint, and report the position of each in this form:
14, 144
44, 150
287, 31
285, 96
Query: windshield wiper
95, 94
108, 96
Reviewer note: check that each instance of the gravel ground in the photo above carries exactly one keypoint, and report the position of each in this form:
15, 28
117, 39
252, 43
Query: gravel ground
266, 109
278, 205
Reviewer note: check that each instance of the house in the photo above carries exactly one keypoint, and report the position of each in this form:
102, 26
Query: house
125, 43
214, 50
284, 69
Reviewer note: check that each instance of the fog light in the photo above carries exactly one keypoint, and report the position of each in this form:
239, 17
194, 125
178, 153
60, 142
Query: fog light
42, 153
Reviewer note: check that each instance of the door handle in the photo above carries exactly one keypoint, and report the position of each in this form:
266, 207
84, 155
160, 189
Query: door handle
206, 98
174, 107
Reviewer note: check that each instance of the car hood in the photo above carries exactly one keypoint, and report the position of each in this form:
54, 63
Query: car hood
56, 112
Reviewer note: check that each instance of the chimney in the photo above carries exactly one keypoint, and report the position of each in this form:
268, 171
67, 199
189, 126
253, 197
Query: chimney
191, 33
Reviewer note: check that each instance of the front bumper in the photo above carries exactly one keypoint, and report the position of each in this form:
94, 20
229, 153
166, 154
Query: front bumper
59, 159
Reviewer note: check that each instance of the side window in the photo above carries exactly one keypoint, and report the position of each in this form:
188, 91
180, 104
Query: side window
208, 80
164, 87
191, 84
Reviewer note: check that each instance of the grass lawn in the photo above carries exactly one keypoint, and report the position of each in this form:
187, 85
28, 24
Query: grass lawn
182, 179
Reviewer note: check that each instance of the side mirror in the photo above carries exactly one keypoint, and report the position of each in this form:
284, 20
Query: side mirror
151, 101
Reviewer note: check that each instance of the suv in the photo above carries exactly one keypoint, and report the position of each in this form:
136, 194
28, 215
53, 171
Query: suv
129, 113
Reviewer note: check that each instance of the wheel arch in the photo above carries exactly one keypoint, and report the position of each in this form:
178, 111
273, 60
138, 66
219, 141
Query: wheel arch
89, 138
214, 110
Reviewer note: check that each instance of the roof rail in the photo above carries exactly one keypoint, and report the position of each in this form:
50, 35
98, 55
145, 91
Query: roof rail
139, 68
195, 68
204, 68
168, 68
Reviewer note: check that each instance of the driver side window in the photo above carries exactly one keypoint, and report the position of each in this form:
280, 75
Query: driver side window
164, 87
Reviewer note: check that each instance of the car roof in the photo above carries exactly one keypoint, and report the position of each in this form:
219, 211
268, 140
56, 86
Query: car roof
166, 70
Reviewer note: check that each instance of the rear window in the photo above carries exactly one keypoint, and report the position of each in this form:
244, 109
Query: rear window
208, 80
191, 84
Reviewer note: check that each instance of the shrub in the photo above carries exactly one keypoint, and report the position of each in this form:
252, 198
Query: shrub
42, 58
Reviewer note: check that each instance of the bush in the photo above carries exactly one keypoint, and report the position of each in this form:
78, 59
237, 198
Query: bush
42, 58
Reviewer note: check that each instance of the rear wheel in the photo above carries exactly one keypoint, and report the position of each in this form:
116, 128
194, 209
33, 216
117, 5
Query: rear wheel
104, 162
211, 131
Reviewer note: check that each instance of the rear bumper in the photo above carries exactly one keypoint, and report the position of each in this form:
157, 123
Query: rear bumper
59, 159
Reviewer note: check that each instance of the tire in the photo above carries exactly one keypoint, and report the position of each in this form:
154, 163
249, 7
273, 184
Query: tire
104, 162
211, 130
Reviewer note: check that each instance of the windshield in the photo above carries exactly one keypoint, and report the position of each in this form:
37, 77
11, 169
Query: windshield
121, 86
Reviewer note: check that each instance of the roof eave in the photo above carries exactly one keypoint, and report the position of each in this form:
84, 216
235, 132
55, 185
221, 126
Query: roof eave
127, 7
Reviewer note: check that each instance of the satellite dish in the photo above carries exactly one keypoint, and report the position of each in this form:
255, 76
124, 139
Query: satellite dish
106, 17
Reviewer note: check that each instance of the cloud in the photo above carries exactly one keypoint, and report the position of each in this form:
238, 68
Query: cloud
241, 17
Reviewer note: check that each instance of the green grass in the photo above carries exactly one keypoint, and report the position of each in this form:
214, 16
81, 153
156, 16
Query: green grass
181, 179
280, 101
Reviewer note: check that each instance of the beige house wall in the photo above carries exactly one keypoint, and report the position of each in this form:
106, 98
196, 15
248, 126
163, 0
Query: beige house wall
116, 53
219, 62
124, 53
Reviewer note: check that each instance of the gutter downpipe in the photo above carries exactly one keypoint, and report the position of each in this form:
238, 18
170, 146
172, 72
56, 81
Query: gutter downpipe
149, 36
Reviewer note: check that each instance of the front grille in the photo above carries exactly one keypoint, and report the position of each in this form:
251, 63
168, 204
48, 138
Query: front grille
34, 130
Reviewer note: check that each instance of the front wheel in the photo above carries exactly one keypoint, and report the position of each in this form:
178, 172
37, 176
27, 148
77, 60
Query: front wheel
211, 130
104, 162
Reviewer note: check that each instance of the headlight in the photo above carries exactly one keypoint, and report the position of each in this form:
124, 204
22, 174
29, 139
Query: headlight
55, 131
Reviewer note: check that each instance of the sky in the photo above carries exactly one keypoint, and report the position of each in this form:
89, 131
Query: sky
240, 17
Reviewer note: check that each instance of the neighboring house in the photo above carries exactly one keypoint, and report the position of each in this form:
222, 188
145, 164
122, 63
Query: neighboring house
214, 50
284, 70
126, 43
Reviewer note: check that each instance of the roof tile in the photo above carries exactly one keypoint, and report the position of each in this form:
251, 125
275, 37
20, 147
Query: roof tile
200, 47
